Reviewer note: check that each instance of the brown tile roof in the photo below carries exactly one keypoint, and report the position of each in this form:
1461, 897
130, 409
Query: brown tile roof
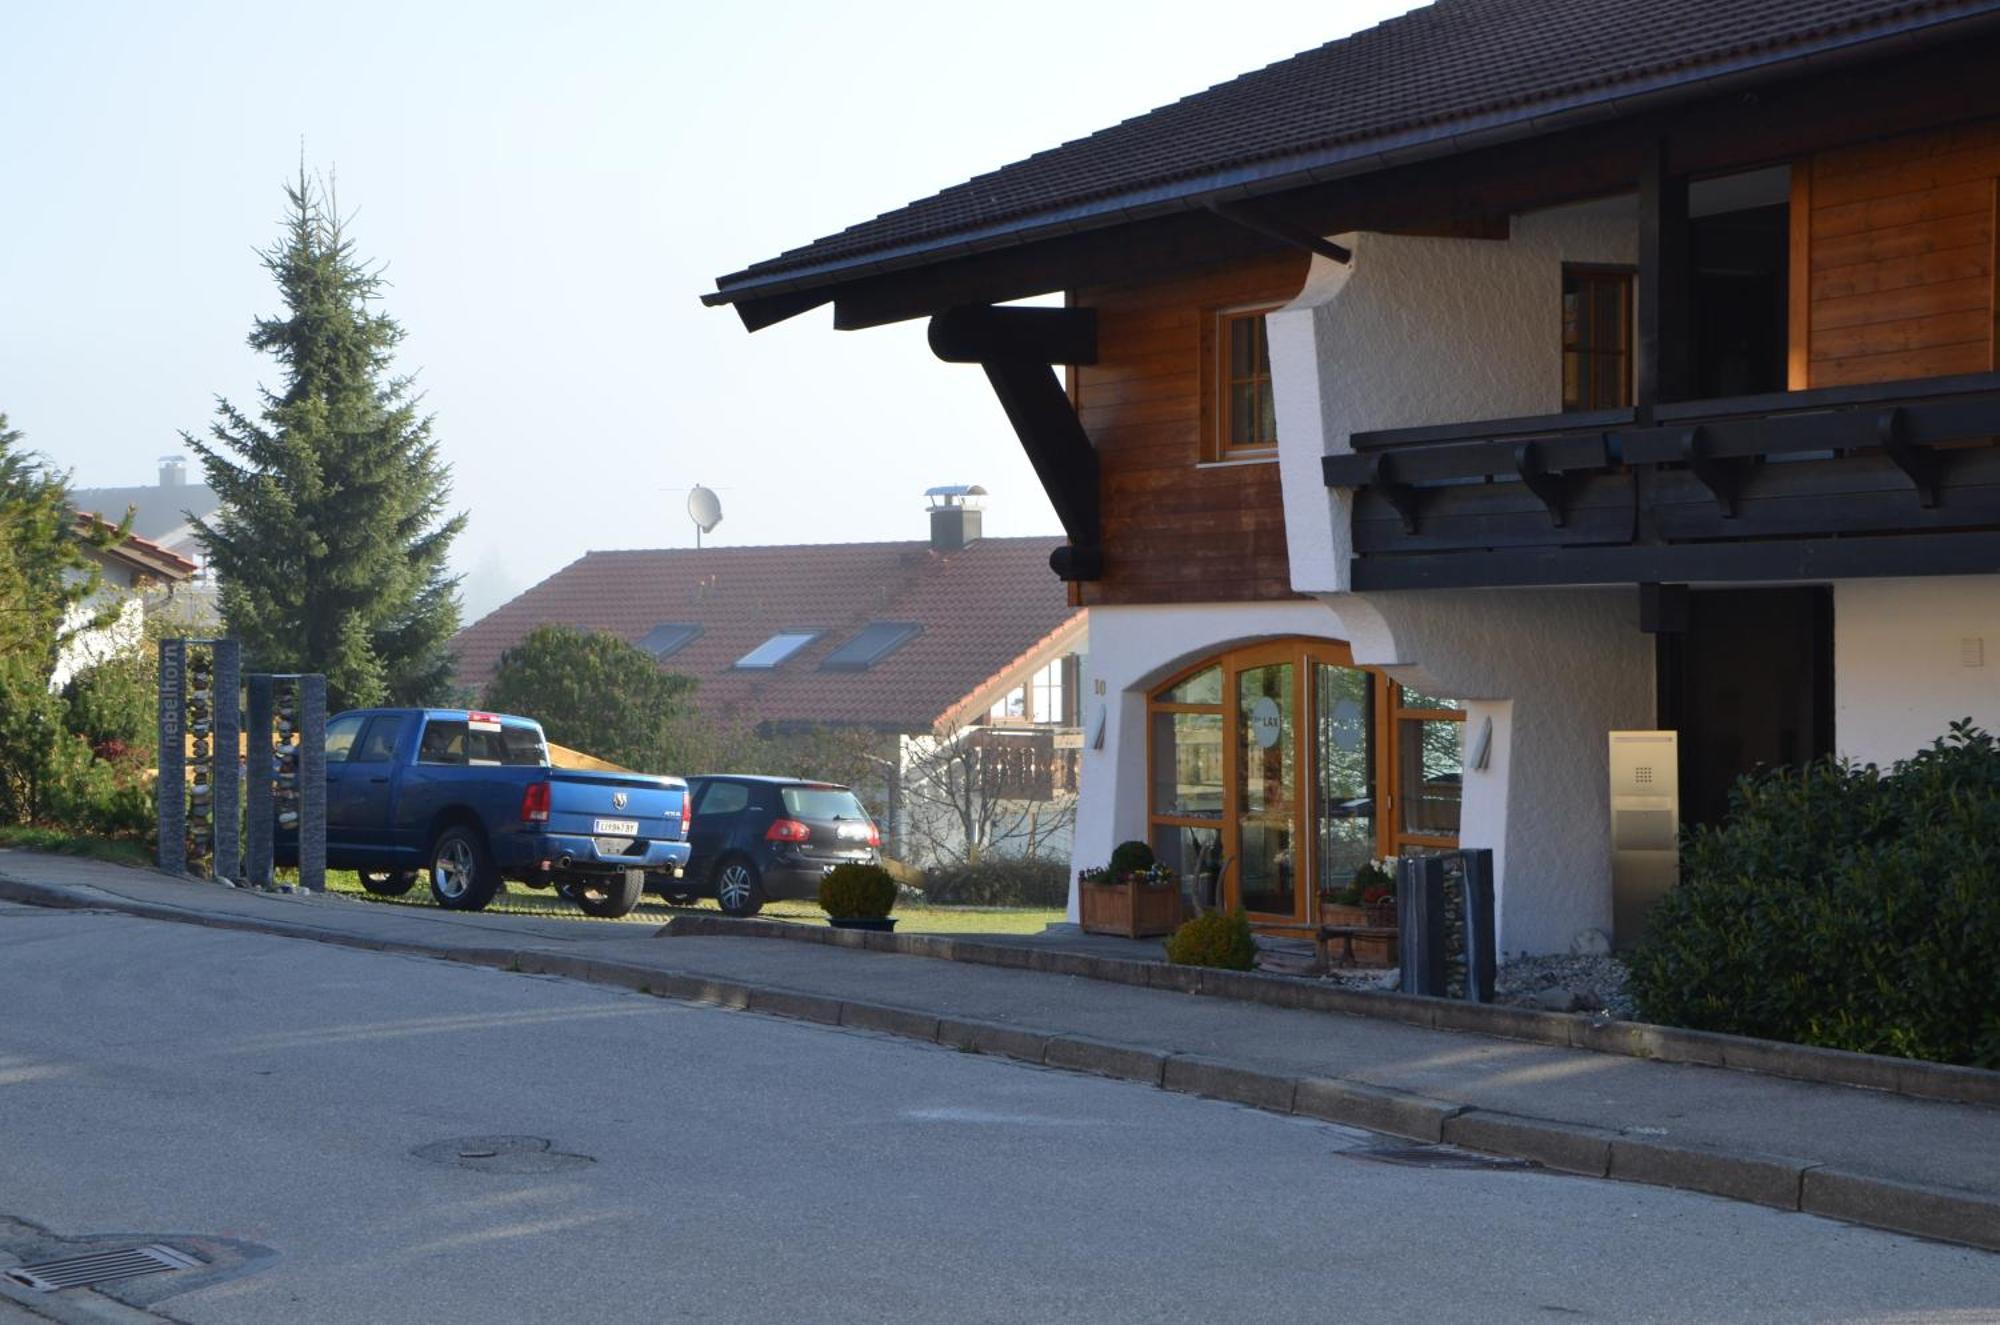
980, 609
142, 553
1442, 78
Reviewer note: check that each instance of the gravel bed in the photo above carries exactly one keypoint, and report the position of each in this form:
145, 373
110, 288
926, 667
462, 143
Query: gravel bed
1557, 983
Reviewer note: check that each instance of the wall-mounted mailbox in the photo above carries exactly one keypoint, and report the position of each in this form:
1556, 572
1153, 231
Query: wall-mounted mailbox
1645, 827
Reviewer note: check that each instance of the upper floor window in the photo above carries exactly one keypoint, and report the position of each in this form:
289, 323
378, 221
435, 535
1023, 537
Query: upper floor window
1049, 703
1597, 338
1248, 424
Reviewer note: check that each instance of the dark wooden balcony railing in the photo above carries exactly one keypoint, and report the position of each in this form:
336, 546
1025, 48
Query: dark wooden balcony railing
1900, 478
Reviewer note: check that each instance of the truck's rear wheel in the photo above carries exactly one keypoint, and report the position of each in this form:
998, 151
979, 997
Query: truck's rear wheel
461, 873
610, 897
388, 883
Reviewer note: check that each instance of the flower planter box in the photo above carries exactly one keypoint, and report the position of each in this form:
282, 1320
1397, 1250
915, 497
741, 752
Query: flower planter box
1368, 951
1134, 910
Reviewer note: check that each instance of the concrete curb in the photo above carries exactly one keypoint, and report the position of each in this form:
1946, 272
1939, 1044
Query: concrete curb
1667, 1044
1963, 1217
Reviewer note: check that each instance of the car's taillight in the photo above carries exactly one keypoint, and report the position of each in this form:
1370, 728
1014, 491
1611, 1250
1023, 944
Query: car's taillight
687, 813
787, 830
535, 803
874, 835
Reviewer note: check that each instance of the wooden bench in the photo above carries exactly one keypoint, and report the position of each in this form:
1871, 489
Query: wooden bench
1326, 934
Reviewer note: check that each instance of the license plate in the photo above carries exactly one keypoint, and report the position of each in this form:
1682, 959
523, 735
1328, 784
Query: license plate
615, 828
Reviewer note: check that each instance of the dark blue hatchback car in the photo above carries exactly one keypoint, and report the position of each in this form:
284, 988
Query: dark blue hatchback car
756, 839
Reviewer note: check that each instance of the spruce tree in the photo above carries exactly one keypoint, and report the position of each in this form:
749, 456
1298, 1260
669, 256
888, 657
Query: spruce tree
332, 540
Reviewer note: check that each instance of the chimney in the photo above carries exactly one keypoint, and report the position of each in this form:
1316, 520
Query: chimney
955, 516
173, 471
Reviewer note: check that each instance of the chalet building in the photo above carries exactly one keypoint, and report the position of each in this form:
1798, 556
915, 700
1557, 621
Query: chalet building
1430, 406
168, 515
134, 576
956, 657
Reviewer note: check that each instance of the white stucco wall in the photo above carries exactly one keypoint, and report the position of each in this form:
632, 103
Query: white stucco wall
1904, 664
1420, 331
1554, 670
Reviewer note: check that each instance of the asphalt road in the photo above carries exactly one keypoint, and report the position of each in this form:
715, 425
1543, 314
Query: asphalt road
277, 1097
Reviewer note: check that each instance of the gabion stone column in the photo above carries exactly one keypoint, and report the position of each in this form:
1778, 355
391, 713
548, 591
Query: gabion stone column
312, 783
170, 788
259, 812
227, 768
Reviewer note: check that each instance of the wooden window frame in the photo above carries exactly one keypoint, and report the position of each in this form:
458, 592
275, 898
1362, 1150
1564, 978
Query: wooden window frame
1627, 277
1216, 382
1389, 709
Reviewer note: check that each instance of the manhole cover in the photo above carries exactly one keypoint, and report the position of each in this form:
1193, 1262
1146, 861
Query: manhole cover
1437, 1157
99, 1267
501, 1154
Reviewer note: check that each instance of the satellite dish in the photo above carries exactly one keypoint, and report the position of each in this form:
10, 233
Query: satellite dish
705, 509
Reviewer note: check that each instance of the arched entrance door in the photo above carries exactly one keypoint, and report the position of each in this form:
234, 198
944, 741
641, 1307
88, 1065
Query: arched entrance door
1270, 781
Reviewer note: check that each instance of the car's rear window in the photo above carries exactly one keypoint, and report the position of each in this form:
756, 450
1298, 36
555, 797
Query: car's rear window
449, 741
822, 803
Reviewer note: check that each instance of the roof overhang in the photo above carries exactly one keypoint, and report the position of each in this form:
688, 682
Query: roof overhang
1182, 211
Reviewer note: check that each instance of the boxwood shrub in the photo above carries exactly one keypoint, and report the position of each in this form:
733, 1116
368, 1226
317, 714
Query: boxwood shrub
857, 892
1216, 939
1842, 905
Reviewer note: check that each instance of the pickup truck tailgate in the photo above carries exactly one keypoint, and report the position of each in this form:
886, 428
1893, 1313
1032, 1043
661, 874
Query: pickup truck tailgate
615, 805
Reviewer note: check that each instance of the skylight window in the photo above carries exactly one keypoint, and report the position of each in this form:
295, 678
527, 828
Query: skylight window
669, 638
777, 648
876, 641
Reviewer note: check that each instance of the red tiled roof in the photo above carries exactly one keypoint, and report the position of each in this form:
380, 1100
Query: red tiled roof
1440, 78
980, 609
141, 552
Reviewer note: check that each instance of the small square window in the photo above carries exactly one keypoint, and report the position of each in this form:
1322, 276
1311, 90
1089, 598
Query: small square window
669, 638
776, 649
875, 642
1247, 420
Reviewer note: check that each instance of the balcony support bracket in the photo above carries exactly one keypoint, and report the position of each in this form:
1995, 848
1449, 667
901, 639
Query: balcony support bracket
1549, 489
1718, 476
1921, 464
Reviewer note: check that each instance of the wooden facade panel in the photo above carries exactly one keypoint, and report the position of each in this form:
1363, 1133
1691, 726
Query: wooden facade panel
1897, 280
1176, 530
1952, 264
1907, 301
1972, 198
1913, 333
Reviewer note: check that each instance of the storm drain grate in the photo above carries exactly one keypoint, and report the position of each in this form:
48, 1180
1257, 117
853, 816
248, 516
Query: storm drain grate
100, 1267
1437, 1157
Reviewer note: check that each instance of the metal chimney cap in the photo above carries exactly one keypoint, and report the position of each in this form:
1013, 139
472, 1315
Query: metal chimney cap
953, 494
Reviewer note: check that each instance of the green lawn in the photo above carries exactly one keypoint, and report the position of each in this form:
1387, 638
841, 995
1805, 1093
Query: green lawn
119, 851
911, 917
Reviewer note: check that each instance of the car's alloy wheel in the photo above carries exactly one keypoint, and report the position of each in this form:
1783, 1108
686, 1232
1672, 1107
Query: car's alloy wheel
737, 888
453, 871
461, 874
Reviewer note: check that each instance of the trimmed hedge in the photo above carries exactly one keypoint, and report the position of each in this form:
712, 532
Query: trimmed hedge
857, 892
1130, 858
999, 881
1216, 939
1844, 906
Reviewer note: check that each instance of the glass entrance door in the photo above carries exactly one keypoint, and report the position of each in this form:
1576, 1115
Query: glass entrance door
1344, 773
1267, 799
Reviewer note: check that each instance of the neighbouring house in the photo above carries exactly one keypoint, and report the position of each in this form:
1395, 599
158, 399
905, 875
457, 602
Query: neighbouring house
169, 515
957, 656
135, 576
1534, 372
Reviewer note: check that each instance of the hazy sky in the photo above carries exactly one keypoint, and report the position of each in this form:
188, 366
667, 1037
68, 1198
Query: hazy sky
552, 187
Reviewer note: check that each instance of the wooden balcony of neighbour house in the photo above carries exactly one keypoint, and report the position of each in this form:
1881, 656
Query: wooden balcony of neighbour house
1895, 478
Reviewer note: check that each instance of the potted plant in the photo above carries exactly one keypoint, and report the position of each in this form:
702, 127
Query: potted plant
858, 897
1367, 902
1135, 895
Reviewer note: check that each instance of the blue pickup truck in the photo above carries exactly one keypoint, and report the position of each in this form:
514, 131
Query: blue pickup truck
468, 799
